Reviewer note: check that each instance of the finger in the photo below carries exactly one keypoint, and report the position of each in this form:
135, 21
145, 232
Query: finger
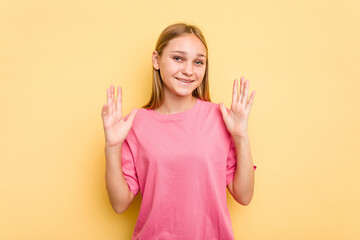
235, 94
113, 92
241, 89
223, 110
113, 99
251, 100
119, 101
245, 93
104, 110
109, 101
132, 116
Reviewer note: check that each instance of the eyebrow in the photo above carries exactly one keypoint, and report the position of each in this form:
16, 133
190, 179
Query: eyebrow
183, 52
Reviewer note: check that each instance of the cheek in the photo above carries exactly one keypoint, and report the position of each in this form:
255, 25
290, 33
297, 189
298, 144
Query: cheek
200, 73
168, 68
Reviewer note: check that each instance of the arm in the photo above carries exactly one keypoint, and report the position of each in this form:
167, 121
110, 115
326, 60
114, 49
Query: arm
116, 130
242, 187
116, 185
236, 120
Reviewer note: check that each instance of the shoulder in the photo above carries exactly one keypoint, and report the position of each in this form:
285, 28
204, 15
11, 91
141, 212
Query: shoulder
210, 108
212, 119
139, 124
140, 116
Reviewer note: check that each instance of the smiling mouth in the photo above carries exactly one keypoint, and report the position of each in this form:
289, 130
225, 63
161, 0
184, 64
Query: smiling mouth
185, 80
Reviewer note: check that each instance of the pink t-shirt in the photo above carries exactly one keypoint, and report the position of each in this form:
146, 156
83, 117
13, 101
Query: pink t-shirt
181, 163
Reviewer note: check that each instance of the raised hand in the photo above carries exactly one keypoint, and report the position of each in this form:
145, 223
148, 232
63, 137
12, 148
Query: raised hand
115, 127
236, 120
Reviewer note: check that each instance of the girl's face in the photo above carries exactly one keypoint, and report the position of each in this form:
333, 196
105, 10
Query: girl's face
182, 65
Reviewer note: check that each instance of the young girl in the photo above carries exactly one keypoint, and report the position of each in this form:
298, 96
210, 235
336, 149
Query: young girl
180, 150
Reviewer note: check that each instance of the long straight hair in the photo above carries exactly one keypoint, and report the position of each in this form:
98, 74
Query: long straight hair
171, 32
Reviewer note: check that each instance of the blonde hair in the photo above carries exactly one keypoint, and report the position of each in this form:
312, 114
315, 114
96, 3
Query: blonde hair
171, 32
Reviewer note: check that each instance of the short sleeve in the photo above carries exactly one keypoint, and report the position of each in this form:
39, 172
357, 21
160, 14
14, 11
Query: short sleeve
128, 165
231, 163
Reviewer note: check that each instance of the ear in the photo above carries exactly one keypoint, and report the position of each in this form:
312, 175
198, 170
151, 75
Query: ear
155, 60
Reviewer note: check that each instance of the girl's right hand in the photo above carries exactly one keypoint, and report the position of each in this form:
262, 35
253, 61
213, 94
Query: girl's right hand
115, 127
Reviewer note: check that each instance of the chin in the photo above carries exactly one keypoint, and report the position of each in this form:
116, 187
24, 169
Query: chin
185, 93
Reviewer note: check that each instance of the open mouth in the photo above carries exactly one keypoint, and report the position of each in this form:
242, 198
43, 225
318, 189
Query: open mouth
185, 80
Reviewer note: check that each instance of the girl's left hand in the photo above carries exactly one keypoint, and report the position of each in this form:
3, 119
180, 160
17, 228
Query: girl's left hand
236, 120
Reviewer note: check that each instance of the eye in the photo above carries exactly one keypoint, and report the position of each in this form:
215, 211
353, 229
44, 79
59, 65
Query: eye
176, 58
199, 62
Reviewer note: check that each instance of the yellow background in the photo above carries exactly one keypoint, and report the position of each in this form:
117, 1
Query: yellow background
58, 57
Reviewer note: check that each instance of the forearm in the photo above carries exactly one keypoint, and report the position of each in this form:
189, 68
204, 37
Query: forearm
116, 185
243, 184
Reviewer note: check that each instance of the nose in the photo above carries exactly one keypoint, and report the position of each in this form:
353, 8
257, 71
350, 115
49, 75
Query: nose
188, 69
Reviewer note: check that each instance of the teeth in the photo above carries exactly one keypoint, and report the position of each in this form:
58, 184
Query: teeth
185, 81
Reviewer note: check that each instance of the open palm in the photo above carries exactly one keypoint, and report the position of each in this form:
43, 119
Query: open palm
115, 127
236, 120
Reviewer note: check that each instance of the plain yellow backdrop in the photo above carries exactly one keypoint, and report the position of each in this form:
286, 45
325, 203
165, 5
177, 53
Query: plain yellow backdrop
58, 57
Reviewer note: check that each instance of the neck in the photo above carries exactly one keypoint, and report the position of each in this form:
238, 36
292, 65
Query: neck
176, 104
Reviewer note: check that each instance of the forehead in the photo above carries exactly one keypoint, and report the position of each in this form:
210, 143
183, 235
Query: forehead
188, 43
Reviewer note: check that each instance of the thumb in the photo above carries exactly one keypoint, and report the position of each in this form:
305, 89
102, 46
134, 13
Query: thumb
223, 110
132, 116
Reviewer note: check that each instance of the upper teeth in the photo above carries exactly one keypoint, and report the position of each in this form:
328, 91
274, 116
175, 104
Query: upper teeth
184, 80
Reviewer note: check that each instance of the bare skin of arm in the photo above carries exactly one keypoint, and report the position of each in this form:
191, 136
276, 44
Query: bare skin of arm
242, 187
116, 130
236, 120
116, 185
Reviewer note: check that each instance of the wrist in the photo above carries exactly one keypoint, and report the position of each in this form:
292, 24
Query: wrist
241, 138
115, 146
